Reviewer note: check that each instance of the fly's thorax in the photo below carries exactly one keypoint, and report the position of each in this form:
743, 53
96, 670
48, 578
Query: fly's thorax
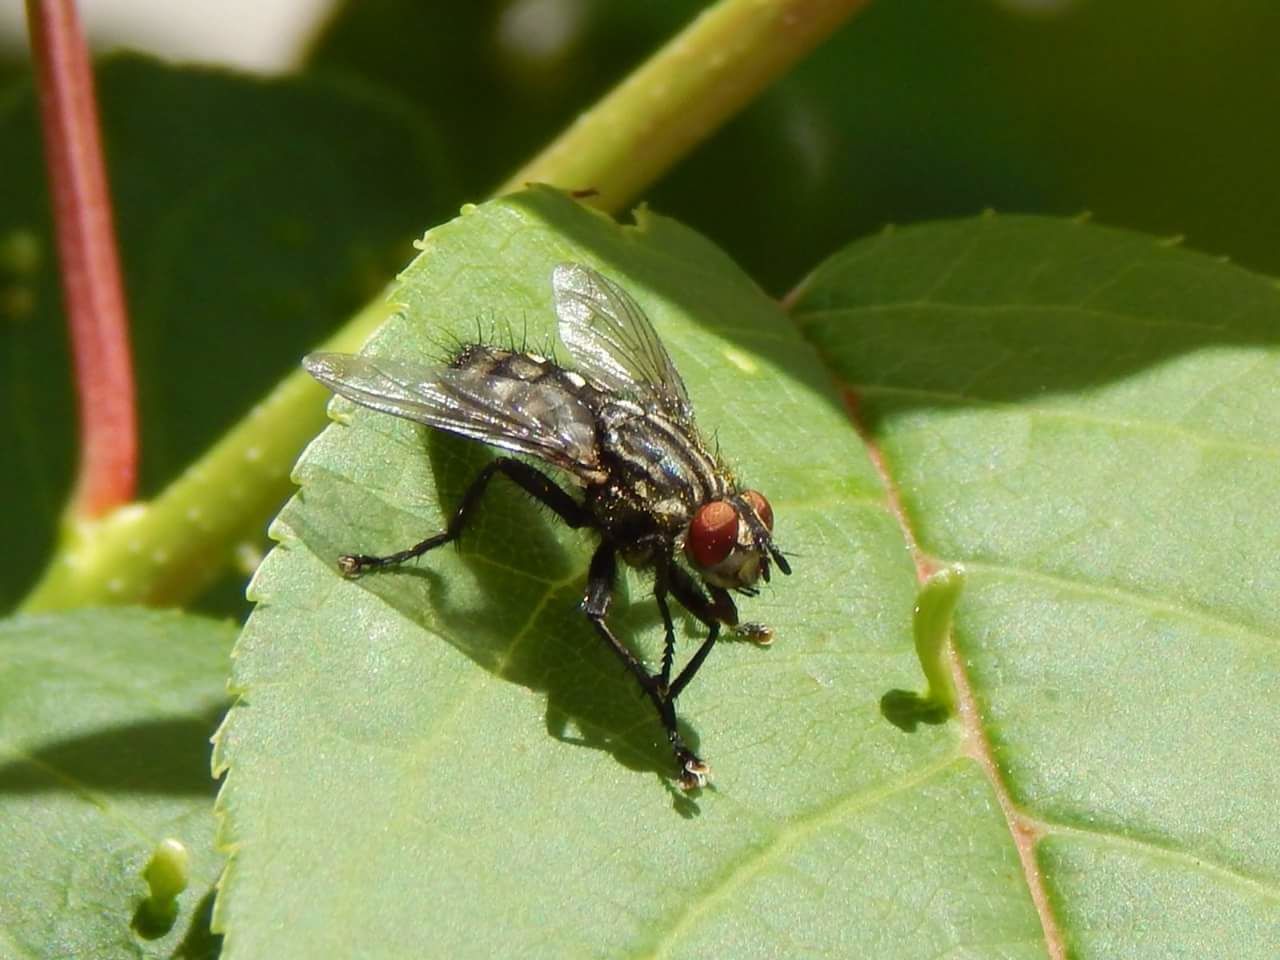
660, 460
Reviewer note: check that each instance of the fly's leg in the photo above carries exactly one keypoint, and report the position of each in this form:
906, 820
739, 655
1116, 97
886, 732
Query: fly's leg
712, 612
719, 608
532, 481
757, 633
669, 627
693, 772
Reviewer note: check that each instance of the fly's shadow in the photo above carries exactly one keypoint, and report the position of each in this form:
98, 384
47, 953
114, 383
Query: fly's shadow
515, 610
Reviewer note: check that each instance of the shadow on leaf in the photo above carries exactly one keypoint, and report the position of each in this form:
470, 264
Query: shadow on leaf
907, 710
519, 615
168, 756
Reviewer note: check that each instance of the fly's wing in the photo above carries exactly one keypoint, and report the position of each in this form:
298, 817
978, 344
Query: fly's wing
542, 419
612, 340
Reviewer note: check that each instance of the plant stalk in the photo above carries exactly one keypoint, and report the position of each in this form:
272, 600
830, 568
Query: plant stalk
681, 95
90, 267
167, 550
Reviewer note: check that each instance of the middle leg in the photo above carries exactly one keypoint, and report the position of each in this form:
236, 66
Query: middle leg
599, 595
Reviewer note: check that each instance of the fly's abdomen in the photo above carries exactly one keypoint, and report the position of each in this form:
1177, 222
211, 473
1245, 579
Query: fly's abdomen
531, 404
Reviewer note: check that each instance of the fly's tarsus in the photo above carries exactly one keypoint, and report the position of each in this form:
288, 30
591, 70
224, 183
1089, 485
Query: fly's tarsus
620, 425
758, 633
351, 565
693, 772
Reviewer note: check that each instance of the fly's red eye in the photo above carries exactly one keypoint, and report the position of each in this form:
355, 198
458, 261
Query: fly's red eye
762, 508
713, 534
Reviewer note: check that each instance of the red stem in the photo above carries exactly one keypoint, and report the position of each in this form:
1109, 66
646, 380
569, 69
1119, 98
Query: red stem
91, 282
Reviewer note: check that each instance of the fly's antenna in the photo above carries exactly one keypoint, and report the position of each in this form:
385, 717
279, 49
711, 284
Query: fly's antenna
779, 559
763, 539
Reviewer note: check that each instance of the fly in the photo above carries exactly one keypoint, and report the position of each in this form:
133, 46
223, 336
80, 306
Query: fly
621, 428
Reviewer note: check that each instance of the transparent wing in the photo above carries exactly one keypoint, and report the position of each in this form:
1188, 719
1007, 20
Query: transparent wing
612, 340
539, 419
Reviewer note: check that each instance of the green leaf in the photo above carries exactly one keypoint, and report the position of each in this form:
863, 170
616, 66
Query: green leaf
250, 224
1087, 420
445, 759
105, 717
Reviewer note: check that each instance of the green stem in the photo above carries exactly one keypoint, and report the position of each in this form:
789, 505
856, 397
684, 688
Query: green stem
681, 95
166, 550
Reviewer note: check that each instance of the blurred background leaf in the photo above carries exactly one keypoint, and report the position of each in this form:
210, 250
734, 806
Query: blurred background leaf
1154, 114
254, 216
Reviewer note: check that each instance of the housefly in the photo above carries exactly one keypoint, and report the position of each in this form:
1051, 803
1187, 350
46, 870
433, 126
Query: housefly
620, 427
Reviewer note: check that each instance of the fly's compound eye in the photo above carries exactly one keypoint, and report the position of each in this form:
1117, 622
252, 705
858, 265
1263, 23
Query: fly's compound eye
713, 534
761, 507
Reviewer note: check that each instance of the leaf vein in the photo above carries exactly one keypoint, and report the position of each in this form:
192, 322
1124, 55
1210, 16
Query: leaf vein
1123, 595
90, 796
794, 832
1268, 890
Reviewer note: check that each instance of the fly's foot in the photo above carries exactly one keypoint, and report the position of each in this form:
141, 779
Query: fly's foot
352, 565
757, 633
693, 771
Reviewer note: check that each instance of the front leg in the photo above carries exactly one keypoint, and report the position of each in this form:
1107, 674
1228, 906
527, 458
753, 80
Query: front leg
595, 604
719, 608
710, 611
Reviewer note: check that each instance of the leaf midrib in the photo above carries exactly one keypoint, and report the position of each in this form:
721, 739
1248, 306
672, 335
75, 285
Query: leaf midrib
976, 743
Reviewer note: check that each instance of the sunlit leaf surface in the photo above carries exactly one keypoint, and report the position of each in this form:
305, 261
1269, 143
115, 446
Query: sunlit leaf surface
1087, 419
444, 759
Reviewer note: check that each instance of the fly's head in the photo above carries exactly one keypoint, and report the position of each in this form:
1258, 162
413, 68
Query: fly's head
730, 541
